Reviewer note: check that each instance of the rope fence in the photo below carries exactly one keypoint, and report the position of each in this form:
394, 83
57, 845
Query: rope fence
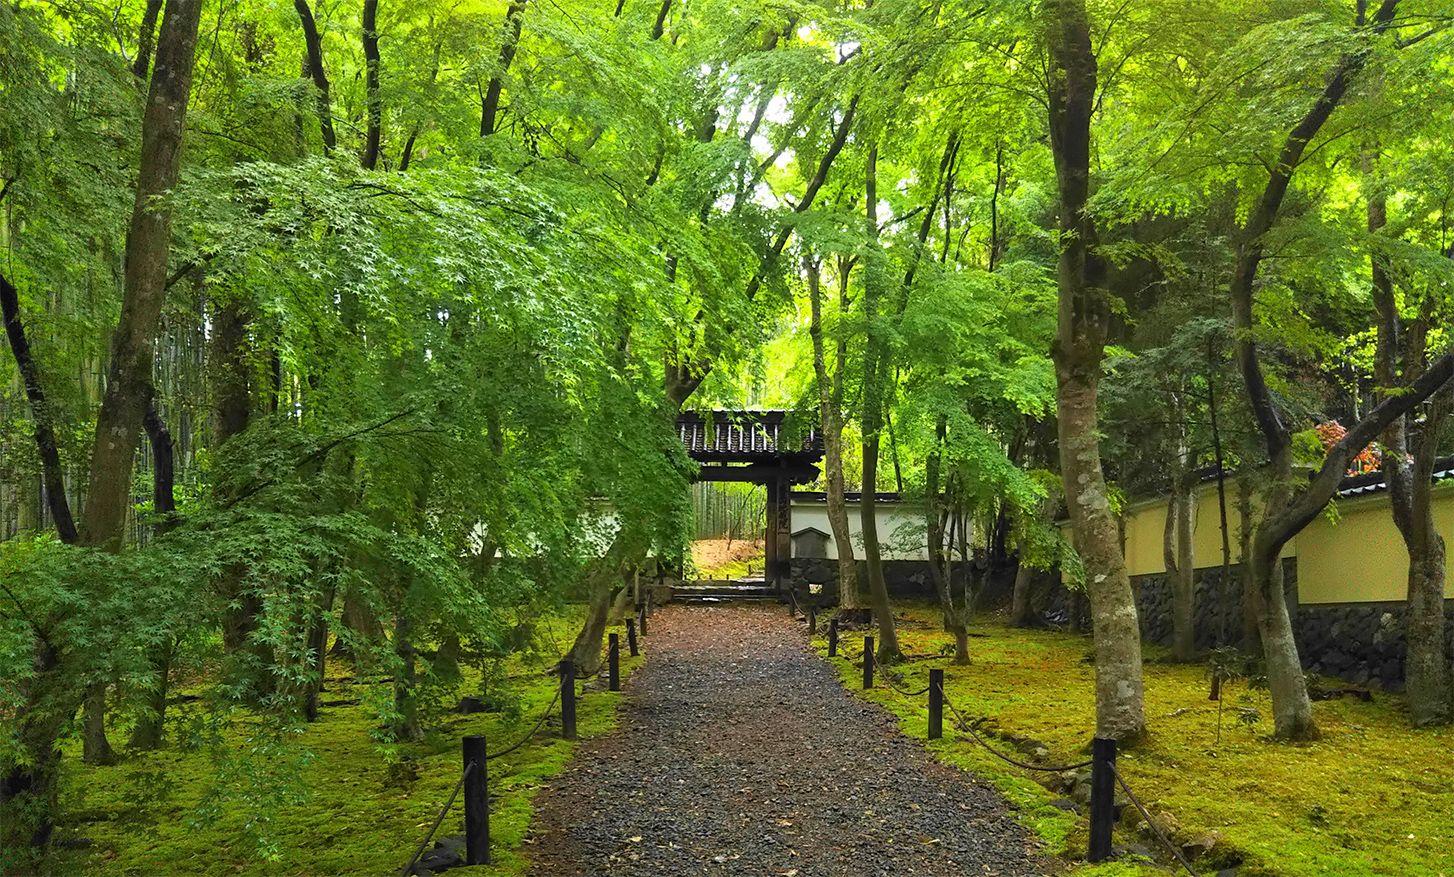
443, 811
1165, 841
1104, 775
473, 778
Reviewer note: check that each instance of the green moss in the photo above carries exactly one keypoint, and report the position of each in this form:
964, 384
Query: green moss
1372, 797
354, 814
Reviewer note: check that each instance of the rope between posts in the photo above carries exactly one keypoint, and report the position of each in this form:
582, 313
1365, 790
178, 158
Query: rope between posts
1175, 850
966, 725
890, 683
444, 811
531, 733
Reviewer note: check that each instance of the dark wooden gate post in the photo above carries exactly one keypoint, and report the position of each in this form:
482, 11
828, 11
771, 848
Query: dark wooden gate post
613, 660
631, 636
936, 704
568, 699
1103, 798
868, 662
770, 535
833, 637
476, 803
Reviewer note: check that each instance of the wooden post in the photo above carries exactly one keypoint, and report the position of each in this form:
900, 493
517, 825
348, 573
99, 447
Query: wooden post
936, 704
476, 803
1103, 798
613, 660
631, 636
833, 637
868, 662
769, 536
812, 621
568, 699
641, 619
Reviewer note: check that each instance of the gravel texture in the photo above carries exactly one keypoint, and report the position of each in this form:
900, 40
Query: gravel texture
740, 753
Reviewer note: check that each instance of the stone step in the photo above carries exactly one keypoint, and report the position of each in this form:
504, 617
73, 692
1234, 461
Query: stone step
724, 591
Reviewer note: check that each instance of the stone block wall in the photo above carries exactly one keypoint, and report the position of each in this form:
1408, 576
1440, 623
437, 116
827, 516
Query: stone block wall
906, 579
1218, 608
1362, 643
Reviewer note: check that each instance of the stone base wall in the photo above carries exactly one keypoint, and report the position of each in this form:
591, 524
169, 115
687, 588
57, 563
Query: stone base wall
906, 579
1362, 643
1218, 608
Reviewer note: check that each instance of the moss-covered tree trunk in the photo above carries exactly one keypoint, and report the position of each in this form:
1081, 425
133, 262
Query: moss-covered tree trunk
872, 424
1401, 354
28, 792
1178, 552
1084, 315
830, 411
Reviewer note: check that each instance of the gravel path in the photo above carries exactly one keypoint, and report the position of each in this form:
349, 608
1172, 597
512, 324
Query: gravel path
740, 753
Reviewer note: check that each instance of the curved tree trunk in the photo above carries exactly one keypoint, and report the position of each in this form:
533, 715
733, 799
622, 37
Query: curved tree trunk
314, 70
1287, 513
490, 106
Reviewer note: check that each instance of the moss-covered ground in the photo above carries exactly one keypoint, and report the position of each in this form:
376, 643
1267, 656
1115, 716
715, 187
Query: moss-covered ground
330, 801
1372, 797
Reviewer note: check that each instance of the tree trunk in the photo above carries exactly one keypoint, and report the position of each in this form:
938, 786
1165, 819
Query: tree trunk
830, 410
1287, 514
446, 659
48, 448
1427, 672
148, 244
1178, 552
374, 132
406, 700
585, 652
619, 607
146, 40
1022, 609
1084, 315
1292, 710
150, 725
1251, 641
28, 793
95, 748
317, 654
872, 422
29, 789
490, 107
232, 413
1021, 613
955, 621
313, 68
359, 619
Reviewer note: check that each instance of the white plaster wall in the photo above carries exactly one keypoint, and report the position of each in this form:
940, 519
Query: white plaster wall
900, 528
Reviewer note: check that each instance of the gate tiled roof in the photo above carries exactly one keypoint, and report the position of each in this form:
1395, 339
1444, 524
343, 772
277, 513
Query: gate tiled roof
747, 436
